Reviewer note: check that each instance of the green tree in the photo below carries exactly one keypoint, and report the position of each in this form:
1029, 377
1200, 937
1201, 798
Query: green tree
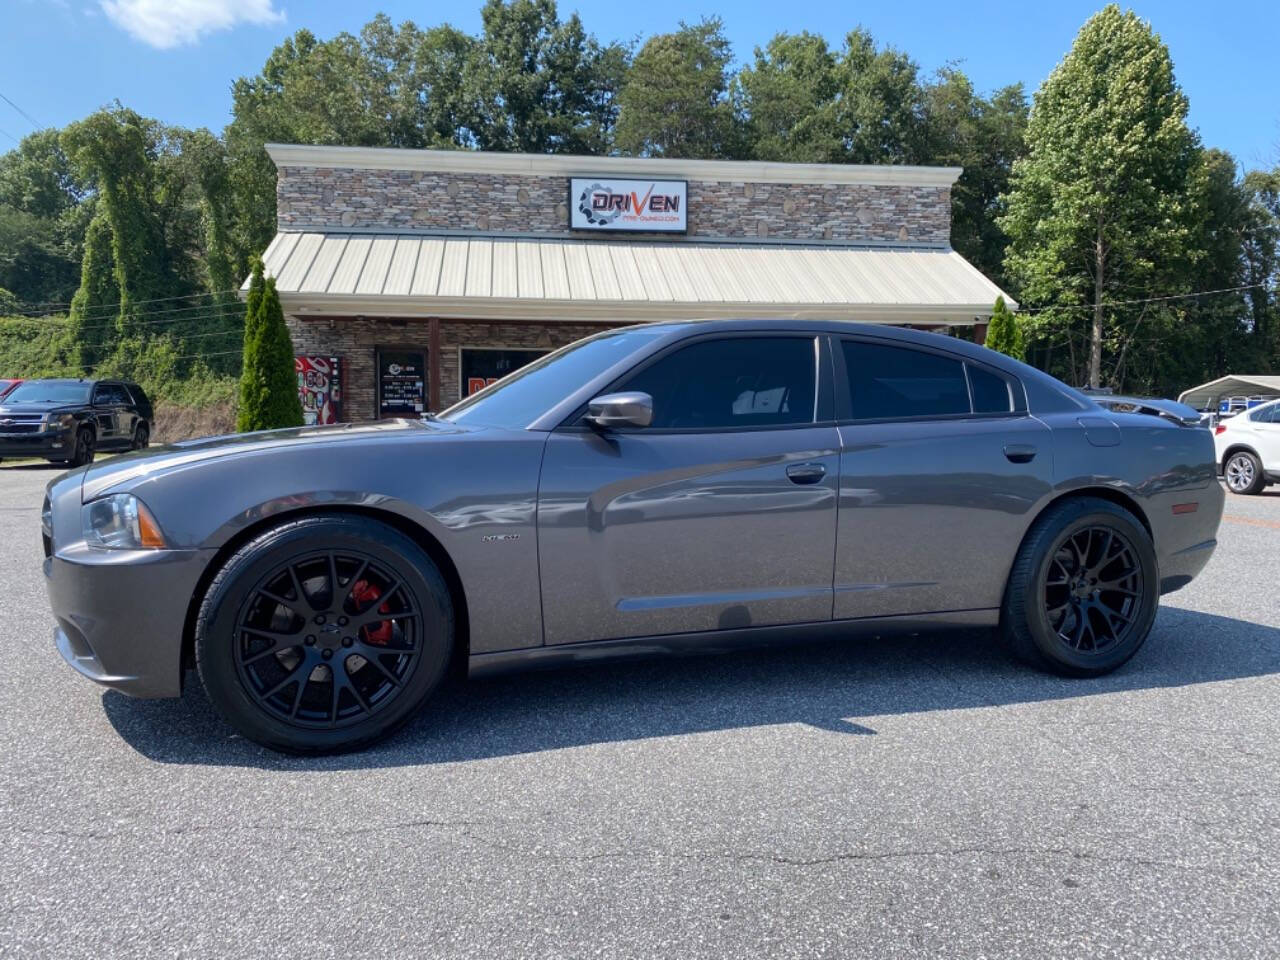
677, 99
545, 85
115, 151
41, 222
1260, 263
268, 382
790, 95
880, 113
96, 302
1101, 208
1004, 333
983, 136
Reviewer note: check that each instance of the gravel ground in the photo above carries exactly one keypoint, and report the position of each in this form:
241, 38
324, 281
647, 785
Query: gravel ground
889, 799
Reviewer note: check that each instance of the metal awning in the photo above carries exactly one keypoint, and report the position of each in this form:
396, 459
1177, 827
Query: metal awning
1207, 394
487, 277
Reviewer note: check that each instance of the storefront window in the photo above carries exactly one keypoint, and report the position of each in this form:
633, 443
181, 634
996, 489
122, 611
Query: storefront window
534, 389
402, 383
482, 366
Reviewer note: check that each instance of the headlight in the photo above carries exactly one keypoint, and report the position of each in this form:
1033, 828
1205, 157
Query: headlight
120, 522
59, 421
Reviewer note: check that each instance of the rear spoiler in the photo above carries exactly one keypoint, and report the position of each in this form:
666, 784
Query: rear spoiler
1179, 413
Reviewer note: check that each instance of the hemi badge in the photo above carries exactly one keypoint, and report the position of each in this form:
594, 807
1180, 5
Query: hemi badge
1179, 508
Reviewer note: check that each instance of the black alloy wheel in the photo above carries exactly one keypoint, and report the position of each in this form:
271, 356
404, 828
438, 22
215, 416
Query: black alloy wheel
324, 634
1083, 591
84, 450
141, 437
1092, 590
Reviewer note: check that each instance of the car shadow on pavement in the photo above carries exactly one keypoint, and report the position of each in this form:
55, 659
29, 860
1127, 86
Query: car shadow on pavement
840, 686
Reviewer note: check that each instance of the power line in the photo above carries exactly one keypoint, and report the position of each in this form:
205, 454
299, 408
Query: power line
199, 312
11, 136
33, 121
1129, 303
185, 296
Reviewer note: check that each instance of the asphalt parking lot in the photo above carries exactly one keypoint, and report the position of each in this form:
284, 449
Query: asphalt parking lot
872, 798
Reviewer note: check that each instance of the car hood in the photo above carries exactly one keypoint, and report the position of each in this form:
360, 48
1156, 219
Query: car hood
100, 478
7, 409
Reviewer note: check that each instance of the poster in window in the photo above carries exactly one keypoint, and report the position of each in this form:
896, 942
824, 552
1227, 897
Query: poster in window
319, 388
481, 367
402, 383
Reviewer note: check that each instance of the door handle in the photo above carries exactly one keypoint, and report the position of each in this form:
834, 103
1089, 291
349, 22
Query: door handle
806, 472
1020, 452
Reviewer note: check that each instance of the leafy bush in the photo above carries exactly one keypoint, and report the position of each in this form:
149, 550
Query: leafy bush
32, 347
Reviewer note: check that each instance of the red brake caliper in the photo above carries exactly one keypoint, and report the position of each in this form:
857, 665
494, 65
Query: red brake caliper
363, 594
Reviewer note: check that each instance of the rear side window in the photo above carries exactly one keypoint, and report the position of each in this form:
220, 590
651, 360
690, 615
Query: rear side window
111, 393
732, 382
891, 382
1267, 414
991, 393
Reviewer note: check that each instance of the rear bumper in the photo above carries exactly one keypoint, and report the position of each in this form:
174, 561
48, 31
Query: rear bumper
120, 615
1179, 569
55, 444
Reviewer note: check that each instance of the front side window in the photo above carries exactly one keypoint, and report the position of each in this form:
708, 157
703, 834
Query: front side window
731, 383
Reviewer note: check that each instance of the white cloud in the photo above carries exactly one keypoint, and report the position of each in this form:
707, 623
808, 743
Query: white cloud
172, 23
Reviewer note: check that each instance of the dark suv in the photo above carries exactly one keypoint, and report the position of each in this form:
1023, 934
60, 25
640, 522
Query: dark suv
68, 421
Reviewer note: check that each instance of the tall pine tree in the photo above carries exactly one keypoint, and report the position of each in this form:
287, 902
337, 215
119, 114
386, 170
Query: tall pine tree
268, 383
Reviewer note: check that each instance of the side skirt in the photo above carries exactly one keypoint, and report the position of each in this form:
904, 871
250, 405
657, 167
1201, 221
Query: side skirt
723, 641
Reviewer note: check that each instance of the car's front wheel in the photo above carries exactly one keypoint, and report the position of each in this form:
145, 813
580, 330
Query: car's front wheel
1243, 473
141, 438
1083, 591
324, 634
85, 446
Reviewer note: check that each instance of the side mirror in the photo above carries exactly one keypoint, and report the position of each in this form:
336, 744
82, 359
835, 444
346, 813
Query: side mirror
633, 409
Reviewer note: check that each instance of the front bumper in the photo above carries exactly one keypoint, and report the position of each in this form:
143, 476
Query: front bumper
121, 613
50, 444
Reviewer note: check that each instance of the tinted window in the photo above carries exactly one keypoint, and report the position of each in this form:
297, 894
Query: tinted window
519, 399
111, 393
889, 382
741, 382
990, 392
50, 391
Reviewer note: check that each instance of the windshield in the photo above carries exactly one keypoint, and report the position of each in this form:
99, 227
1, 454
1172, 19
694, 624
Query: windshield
50, 391
520, 398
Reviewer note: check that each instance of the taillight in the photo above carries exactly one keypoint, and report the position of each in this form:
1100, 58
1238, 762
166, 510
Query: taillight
1220, 428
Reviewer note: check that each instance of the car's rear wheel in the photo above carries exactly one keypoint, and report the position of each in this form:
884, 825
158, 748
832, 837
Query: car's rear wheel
324, 634
85, 448
1083, 591
1243, 473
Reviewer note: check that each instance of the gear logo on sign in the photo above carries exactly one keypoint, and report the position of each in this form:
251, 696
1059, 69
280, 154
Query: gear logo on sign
597, 217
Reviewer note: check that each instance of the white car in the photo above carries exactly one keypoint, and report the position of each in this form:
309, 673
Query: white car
1248, 448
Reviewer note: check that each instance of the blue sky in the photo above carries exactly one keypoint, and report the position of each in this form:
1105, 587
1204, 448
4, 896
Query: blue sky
60, 59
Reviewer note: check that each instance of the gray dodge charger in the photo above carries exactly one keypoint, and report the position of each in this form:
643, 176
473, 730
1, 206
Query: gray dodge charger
675, 486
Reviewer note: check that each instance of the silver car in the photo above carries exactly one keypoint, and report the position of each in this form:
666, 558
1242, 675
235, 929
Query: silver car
676, 486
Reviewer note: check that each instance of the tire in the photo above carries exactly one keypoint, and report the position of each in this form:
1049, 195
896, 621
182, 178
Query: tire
1069, 610
141, 437
85, 449
327, 697
1243, 473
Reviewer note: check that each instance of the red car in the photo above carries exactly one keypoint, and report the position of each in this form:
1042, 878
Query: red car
6, 387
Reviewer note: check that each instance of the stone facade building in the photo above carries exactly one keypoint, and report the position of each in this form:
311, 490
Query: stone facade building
425, 274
